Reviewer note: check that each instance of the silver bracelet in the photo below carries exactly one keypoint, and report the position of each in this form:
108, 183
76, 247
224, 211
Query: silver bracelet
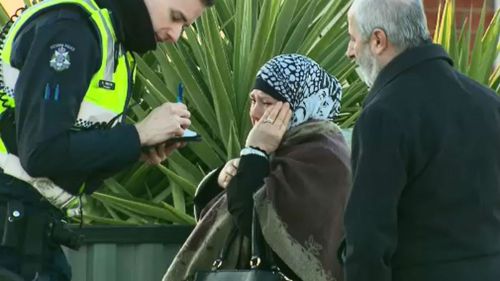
250, 150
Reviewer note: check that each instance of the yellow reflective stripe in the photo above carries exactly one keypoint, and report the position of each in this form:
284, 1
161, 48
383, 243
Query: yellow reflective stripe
9, 102
88, 5
110, 100
107, 102
3, 149
108, 46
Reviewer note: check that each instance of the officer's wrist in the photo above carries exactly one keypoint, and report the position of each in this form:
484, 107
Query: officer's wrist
142, 134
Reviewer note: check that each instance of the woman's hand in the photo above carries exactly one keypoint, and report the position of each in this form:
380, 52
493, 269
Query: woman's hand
228, 172
269, 131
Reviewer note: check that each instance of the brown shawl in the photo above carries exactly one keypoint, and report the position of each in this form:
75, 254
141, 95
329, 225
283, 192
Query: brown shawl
300, 208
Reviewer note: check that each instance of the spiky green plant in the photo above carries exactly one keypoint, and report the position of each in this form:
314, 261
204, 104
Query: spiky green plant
217, 60
473, 56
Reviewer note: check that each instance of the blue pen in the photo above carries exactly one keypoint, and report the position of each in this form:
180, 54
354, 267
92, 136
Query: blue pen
180, 93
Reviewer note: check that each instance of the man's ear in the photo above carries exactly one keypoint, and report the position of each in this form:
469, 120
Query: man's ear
379, 41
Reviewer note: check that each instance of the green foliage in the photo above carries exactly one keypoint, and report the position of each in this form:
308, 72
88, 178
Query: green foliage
473, 56
217, 60
4, 17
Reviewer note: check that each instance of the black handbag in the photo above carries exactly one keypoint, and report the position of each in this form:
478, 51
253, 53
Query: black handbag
257, 272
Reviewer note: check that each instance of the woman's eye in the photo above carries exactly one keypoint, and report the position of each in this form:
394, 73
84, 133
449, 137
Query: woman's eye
176, 17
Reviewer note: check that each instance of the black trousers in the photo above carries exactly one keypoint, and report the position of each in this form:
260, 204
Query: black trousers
54, 265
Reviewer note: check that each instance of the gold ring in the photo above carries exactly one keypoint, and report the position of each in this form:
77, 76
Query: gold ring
269, 120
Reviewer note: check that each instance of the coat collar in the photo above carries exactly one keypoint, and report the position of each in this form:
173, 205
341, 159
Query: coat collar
132, 23
405, 61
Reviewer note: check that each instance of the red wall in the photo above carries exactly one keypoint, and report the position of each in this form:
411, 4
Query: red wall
463, 9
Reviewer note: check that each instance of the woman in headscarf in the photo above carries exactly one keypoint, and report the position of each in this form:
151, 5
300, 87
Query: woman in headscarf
294, 170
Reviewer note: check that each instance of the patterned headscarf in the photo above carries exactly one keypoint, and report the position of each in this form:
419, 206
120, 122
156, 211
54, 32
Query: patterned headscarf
312, 93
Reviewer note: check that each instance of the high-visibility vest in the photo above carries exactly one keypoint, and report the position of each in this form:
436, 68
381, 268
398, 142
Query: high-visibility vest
105, 99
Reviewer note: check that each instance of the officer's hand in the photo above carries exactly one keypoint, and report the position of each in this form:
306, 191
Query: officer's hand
159, 153
164, 122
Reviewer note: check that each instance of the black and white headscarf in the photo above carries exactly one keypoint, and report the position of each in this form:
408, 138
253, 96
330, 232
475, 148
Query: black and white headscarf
312, 93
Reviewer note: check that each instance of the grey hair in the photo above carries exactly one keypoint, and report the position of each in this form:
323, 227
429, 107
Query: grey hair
403, 21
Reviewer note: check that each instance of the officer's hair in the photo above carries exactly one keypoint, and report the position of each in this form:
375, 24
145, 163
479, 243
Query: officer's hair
403, 21
208, 3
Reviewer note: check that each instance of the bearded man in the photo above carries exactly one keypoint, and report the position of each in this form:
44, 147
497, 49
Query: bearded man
425, 203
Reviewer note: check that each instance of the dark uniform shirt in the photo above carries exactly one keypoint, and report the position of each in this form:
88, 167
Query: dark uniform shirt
48, 101
47, 105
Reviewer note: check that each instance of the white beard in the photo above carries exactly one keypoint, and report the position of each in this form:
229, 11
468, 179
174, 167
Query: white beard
368, 67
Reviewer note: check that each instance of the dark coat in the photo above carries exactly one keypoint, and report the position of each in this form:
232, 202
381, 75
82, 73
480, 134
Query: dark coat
425, 203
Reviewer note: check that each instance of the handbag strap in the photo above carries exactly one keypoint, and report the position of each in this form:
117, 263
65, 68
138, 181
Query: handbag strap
260, 251
221, 257
259, 247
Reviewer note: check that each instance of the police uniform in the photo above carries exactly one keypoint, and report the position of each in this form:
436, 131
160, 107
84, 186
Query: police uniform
67, 75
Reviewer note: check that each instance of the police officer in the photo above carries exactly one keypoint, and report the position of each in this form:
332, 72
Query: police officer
66, 76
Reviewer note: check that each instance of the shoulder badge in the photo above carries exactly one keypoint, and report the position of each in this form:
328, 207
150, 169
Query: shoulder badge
60, 60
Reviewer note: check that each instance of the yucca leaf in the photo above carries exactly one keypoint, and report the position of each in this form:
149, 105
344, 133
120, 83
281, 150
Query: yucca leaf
4, 16
283, 24
178, 198
185, 168
131, 217
166, 192
299, 33
137, 177
186, 219
111, 212
490, 50
117, 188
104, 220
206, 154
162, 211
477, 69
184, 184
194, 91
244, 27
234, 146
495, 80
220, 93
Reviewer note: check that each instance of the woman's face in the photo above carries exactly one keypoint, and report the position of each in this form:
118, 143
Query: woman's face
260, 102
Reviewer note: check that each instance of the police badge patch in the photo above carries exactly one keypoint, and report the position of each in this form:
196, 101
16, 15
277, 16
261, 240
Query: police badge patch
60, 60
